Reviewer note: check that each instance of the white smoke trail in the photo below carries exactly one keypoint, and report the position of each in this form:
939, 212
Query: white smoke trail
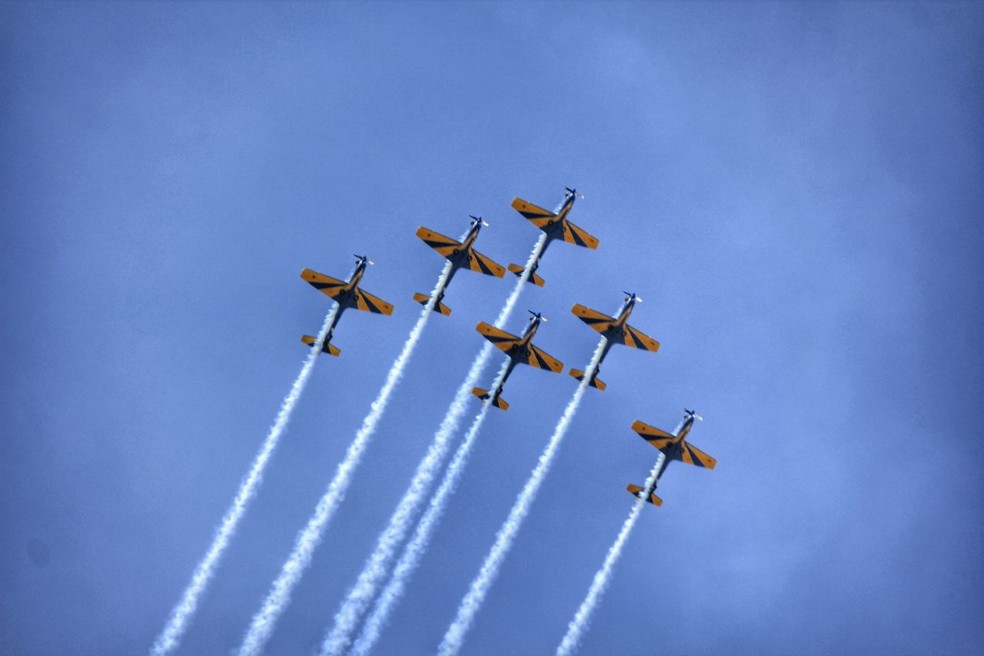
182, 613
455, 635
377, 565
418, 544
308, 539
582, 619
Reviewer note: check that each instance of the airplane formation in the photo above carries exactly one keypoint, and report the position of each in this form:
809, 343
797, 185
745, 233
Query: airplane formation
520, 349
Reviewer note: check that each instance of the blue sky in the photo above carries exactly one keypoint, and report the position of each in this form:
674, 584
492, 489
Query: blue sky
794, 189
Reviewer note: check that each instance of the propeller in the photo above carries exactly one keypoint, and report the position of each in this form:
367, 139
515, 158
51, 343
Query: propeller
478, 219
537, 315
693, 413
573, 192
633, 296
362, 258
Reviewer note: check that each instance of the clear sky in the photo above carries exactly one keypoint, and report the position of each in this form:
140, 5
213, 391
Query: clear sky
794, 189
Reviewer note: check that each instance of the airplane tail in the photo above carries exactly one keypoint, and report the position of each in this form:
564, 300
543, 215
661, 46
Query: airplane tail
635, 491
327, 347
533, 277
438, 307
497, 401
596, 382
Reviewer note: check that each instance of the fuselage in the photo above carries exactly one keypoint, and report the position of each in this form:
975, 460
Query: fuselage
617, 328
674, 450
555, 229
347, 297
461, 257
516, 352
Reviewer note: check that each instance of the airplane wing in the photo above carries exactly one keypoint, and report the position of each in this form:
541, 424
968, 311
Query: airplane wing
694, 456
657, 437
536, 215
443, 245
539, 358
597, 320
369, 303
483, 264
502, 340
330, 287
637, 339
578, 236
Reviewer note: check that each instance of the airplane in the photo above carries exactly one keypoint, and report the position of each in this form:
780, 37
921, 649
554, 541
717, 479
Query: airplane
347, 295
520, 351
616, 331
556, 226
461, 255
673, 447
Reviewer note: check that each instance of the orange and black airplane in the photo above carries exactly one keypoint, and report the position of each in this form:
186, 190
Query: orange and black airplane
616, 331
556, 226
461, 255
520, 351
673, 447
347, 295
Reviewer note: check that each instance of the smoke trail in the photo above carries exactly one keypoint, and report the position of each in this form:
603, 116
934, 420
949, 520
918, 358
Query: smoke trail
376, 566
181, 615
418, 544
455, 635
308, 539
582, 619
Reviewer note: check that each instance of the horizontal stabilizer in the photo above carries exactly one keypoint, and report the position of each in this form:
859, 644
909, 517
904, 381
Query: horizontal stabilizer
327, 347
483, 394
533, 277
438, 307
636, 491
596, 382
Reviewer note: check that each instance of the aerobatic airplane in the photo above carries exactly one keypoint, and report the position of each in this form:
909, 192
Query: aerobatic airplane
347, 295
520, 351
616, 331
556, 226
461, 255
674, 447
